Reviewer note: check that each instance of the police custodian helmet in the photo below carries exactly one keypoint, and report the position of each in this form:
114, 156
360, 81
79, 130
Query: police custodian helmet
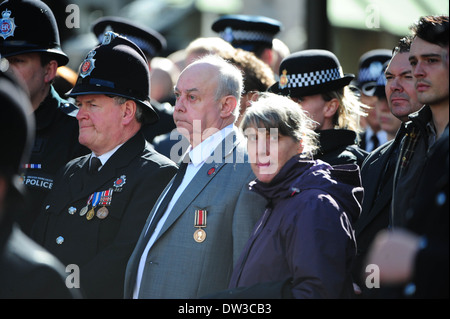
29, 26
117, 67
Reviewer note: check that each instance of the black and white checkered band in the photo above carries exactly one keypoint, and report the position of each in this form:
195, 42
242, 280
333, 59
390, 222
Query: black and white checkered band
230, 35
371, 73
312, 78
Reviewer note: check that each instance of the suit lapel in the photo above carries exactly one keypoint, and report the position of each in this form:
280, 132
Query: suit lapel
204, 176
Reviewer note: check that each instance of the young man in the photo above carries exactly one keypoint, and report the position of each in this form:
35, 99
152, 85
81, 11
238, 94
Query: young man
414, 257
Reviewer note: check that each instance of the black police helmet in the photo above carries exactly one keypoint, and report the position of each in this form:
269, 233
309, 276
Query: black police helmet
29, 26
148, 40
17, 128
117, 67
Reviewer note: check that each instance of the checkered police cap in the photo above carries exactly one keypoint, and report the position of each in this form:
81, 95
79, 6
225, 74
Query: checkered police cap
247, 32
310, 72
371, 67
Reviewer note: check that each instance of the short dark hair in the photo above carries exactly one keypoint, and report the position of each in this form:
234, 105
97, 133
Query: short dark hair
433, 29
403, 46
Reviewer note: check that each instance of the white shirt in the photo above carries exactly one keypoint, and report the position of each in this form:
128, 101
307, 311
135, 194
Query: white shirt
198, 156
105, 157
381, 135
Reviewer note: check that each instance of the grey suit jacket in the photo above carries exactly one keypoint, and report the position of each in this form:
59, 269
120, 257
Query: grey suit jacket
178, 266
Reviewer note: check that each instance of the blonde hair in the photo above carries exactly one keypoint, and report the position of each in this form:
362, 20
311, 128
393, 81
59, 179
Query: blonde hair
350, 109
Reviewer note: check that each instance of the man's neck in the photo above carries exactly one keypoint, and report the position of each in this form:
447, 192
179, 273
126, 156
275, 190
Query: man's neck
39, 97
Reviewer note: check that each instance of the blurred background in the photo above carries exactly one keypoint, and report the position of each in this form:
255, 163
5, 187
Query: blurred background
348, 28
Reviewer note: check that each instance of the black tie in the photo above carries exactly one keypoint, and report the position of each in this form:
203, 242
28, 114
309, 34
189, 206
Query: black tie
95, 164
375, 141
163, 206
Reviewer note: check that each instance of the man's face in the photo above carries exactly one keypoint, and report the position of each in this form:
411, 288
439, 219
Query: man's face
400, 87
28, 68
100, 122
197, 113
430, 69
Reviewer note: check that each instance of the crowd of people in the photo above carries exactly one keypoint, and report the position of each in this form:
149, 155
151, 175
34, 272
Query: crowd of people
230, 169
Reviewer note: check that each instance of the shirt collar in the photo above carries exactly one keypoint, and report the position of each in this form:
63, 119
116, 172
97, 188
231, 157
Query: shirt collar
201, 152
105, 157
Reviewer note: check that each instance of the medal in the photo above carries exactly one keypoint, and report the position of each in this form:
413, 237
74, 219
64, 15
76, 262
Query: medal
95, 200
84, 210
103, 212
200, 223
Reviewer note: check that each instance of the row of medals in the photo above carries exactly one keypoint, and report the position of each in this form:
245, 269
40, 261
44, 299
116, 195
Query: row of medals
102, 212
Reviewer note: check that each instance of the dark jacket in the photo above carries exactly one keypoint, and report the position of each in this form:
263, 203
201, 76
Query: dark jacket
56, 143
306, 231
340, 147
27, 271
377, 175
101, 247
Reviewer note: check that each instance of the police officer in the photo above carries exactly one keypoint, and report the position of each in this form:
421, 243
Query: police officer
26, 270
314, 79
250, 33
370, 68
94, 214
152, 43
29, 40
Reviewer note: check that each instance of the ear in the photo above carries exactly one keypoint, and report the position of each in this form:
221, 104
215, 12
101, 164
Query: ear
50, 71
267, 56
229, 103
129, 111
331, 108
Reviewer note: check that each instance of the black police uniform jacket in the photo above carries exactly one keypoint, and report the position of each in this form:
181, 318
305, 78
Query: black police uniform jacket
56, 143
136, 175
339, 147
28, 271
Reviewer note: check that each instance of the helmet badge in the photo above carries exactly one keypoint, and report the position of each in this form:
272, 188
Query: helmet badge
88, 65
7, 25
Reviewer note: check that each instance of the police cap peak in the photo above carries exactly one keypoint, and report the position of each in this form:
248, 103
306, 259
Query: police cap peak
29, 26
150, 41
117, 67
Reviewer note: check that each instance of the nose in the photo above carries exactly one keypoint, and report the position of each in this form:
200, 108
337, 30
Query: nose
81, 113
179, 106
395, 85
418, 70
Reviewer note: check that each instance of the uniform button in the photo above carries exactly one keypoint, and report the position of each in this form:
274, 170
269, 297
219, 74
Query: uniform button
60, 240
72, 210
47, 207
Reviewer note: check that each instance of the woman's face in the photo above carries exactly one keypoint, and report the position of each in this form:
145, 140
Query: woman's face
269, 151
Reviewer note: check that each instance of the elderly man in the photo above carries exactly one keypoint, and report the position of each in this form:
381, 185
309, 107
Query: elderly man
94, 214
199, 226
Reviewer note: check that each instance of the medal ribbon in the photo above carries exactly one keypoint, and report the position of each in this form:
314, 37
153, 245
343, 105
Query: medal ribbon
106, 197
96, 199
200, 218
